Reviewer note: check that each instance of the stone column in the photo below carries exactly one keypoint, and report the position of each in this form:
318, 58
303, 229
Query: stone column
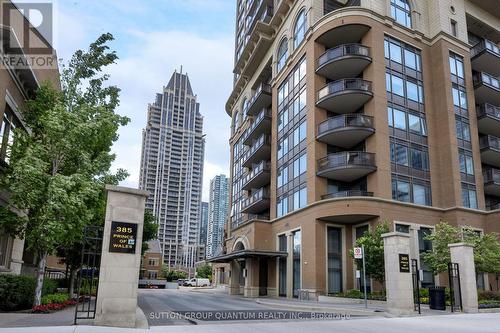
119, 273
16, 257
234, 278
399, 284
252, 280
463, 255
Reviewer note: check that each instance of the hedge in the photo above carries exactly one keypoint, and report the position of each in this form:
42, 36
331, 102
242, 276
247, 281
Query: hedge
17, 292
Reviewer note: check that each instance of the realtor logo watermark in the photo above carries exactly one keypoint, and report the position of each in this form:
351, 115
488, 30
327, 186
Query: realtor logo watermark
27, 33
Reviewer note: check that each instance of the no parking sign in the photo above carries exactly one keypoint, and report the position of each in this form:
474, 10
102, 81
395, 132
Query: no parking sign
358, 253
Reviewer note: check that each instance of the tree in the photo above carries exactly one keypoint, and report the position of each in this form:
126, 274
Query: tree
374, 252
486, 248
58, 169
150, 229
204, 271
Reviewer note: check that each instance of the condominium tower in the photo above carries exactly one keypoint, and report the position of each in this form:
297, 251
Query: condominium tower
172, 169
217, 213
349, 113
203, 223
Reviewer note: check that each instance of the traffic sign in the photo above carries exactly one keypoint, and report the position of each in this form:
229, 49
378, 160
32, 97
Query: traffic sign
358, 253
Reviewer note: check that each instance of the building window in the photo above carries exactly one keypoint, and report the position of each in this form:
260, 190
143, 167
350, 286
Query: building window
400, 11
297, 246
299, 134
425, 245
300, 28
282, 54
402, 53
459, 97
7, 130
300, 199
282, 206
282, 247
469, 196
453, 25
404, 228
411, 190
282, 178
300, 165
466, 162
463, 129
334, 246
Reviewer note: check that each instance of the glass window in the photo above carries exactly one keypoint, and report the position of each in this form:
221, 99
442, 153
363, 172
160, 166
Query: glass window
412, 91
282, 54
397, 85
414, 123
401, 155
395, 53
400, 190
412, 60
300, 29
456, 65
404, 228
419, 194
399, 119
400, 11
459, 98
463, 130
296, 262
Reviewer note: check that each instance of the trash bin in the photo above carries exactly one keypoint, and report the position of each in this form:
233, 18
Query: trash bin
437, 298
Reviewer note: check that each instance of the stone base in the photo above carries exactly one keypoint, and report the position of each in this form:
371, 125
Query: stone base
272, 292
251, 292
234, 290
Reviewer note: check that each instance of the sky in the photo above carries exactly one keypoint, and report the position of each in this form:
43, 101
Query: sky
152, 39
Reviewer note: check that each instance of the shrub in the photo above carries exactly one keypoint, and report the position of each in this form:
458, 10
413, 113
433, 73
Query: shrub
17, 292
55, 299
45, 308
489, 295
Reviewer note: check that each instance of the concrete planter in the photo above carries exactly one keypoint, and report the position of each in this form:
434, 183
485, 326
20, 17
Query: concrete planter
345, 300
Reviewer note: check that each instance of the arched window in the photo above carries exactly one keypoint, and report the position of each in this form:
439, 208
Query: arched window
400, 11
300, 29
244, 108
236, 121
282, 54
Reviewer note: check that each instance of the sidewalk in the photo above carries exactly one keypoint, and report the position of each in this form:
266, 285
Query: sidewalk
461, 323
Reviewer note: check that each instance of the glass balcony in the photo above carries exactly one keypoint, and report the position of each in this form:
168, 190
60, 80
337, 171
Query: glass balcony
485, 57
345, 131
343, 61
261, 99
488, 119
346, 166
258, 177
260, 150
490, 150
344, 96
257, 202
261, 125
491, 177
348, 193
486, 88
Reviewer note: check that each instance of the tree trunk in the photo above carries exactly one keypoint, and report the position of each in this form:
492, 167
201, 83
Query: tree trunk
71, 288
39, 278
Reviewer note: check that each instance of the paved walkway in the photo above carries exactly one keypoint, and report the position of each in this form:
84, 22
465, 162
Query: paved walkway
460, 323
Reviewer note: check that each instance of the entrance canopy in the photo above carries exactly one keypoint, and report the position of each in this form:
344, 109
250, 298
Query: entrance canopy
243, 254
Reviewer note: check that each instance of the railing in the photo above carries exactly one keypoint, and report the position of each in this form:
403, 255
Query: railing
345, 159
349, 120
265, 113
348, 193
262, 194
489, 141
342, 51
263, 87
485, 45
256, 145
491, 175
487, 109
344, 84
257, 217
485, 78
262, 166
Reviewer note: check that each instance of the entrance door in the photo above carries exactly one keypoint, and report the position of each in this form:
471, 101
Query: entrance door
282, 266
263, 277
334, 260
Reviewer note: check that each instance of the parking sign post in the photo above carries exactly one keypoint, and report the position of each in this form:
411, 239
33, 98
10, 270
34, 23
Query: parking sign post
359, 253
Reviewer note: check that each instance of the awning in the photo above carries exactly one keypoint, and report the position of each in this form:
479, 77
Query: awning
243, 254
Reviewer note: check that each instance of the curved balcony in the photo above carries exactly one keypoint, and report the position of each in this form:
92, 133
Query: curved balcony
488, 119
258, 177
259, 151
346, 166
345, 131
344, 34
257, 202
491, 177
347, 60
262, 98
490, 150
261, 125
486, 88
485, 56
346, 194
344, 96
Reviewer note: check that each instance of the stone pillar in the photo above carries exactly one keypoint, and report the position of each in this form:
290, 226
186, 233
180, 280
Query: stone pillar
234, 278
252, 279
119, 273
399, 284
463, 255
16, 257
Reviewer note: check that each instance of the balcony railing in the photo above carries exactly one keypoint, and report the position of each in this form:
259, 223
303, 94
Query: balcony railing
489, 141
485, 45
261, 167
491, 175
345, 85
264, 114
263, 88
346, 159
487, 109
343, 121
348, 193
256, 145
342, 51
479, 78
259, 195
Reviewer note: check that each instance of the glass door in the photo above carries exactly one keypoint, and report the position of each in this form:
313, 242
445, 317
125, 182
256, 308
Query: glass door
334, 260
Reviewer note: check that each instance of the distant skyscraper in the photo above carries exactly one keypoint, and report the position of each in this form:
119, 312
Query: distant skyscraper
218, 204
203, 223
172, 169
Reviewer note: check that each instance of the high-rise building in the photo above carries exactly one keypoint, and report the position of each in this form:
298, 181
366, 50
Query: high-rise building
172, 169
349, 113
217, 214
203, 223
